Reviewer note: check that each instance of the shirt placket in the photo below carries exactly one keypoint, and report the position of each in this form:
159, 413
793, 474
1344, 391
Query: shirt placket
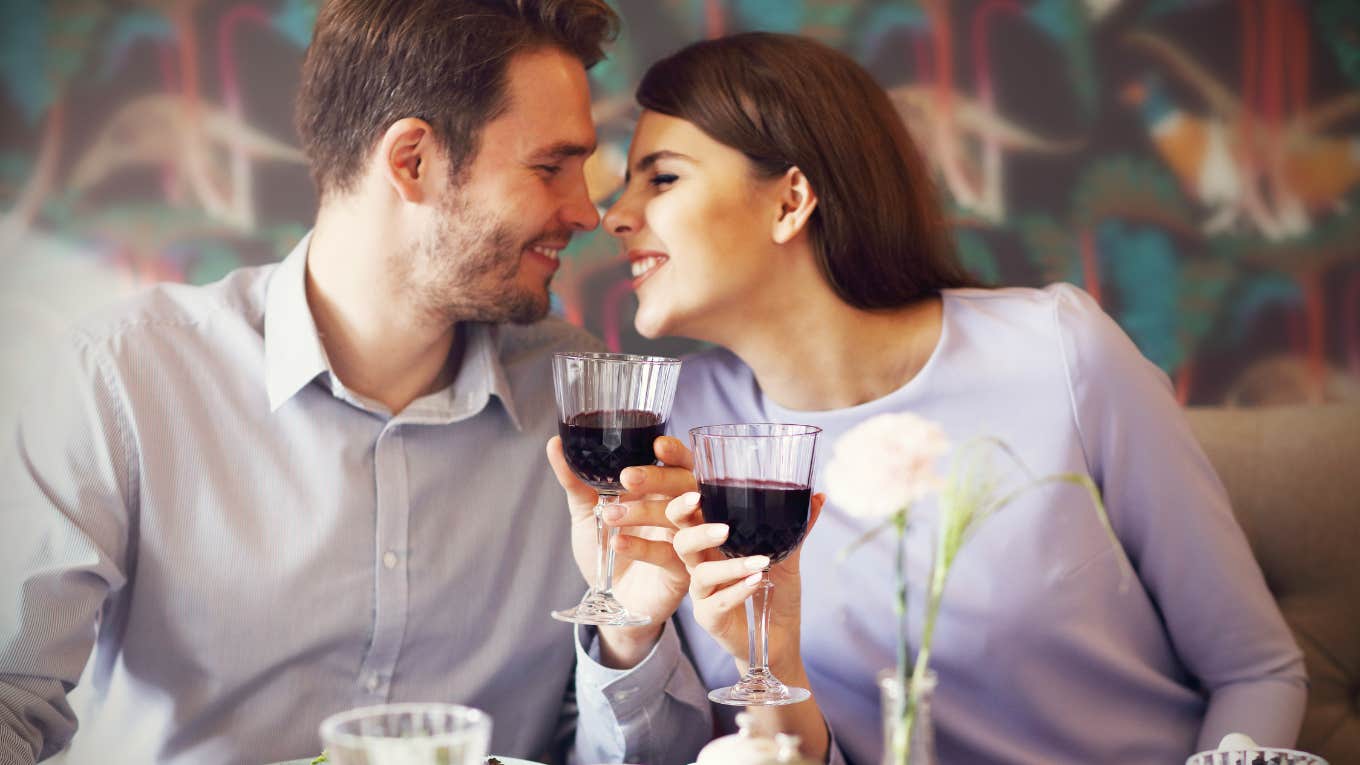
391, 558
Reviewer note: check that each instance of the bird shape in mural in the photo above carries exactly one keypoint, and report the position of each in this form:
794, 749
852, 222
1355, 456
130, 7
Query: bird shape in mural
980, 193
161, 131
1210, 154
1195, 148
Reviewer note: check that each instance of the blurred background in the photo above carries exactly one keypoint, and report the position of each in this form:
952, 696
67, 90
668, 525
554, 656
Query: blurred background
1194, 164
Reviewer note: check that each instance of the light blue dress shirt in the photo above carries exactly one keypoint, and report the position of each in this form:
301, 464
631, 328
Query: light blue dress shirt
1044, 656
247, 546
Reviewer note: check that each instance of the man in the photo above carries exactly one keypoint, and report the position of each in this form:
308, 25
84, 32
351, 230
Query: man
319, 485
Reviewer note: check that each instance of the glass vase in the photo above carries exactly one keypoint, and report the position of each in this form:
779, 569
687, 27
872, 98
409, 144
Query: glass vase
899, 748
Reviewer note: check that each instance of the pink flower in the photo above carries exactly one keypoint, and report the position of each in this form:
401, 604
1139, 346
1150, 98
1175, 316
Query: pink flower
884, 464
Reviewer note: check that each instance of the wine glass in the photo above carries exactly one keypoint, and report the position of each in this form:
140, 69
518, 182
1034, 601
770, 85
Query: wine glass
610, 408
757, 479
407, 734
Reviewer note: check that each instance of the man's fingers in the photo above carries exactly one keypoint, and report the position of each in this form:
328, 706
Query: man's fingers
673, 452
643, 512
657, 553
664, 480
714, 575
580, 497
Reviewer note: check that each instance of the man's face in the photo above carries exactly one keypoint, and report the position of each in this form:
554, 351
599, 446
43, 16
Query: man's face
491, 252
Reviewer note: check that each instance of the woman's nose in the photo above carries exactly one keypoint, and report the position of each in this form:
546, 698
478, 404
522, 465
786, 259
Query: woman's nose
619, 219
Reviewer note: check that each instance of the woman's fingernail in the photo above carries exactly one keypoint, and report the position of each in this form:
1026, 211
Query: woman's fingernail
757, 562
613, 514
752, 580
717, 530
691, 499
631, 477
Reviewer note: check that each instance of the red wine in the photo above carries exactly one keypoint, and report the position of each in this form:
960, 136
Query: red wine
599, 445
763, 517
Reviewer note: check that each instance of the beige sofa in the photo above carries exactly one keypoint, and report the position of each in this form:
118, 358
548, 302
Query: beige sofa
1294, 477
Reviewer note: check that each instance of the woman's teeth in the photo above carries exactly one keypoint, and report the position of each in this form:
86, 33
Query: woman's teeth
643, 265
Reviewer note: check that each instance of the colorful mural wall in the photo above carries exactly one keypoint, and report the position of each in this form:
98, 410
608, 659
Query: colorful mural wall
1194, 164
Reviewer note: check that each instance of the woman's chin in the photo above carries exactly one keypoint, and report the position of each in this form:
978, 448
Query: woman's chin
647, 330
649, 325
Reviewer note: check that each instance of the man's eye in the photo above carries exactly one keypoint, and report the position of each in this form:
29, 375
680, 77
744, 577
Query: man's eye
548, 170
663, 179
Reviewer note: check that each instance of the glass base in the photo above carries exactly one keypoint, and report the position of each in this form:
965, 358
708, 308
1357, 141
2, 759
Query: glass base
601, 610
759, 689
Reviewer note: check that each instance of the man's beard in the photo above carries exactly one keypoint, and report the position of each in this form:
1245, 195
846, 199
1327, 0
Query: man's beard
467, 269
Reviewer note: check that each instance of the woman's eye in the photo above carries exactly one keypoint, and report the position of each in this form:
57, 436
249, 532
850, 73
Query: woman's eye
663, 179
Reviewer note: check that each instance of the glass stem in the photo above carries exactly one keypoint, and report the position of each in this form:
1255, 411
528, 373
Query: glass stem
758, 638
604, 556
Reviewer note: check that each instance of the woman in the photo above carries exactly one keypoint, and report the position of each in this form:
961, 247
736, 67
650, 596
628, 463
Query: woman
776, 207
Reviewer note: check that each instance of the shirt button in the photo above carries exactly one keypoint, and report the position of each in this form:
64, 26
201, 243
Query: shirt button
390, 559
371, 683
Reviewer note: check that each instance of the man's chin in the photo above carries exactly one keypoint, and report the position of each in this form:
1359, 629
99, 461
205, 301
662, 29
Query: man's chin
528, 309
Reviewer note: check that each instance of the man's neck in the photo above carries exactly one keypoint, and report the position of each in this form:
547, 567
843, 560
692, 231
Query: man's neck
379, 345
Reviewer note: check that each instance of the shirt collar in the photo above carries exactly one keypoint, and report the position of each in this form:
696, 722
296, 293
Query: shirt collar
480, 376
294, 355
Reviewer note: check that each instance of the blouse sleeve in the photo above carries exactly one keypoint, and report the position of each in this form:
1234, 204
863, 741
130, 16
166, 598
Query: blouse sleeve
1172, 515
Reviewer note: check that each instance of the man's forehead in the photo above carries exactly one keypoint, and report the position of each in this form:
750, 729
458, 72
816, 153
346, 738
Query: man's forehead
548, 105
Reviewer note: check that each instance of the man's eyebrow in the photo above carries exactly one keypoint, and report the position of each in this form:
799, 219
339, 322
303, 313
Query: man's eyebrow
562, 150
645, 163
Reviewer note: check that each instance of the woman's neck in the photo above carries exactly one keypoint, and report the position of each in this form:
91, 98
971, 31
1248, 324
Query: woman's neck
820, 354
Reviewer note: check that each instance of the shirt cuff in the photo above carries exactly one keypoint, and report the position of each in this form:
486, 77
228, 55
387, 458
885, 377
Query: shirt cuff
657, 712
621, 687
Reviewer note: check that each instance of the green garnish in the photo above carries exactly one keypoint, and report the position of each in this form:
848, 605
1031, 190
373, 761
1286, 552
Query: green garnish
320, 758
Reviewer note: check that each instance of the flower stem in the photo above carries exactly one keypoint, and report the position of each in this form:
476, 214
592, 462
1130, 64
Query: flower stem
901, 712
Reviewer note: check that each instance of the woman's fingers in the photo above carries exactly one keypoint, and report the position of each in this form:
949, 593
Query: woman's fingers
683, 511
580, 497
714, 575
726, 599
694, 543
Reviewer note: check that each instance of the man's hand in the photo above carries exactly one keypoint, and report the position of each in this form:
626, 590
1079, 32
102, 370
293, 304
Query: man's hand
649, 578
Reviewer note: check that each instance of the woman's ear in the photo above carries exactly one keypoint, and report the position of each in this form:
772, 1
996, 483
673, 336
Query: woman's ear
796, 201
406, 158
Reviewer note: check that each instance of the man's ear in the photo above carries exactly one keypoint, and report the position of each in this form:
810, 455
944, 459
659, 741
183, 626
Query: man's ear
796, 201
407, 157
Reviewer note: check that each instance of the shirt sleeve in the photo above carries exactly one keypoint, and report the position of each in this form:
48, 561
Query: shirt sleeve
655, 713
1173, 518
66, 469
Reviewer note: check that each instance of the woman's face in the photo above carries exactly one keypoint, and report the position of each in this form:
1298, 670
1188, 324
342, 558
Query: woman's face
696, 226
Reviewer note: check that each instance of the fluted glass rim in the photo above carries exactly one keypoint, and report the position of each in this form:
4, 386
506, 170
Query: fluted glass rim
333, 730
754, 430
617, 358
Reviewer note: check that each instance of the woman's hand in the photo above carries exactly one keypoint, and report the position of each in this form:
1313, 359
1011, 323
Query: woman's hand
649, 578
719, 587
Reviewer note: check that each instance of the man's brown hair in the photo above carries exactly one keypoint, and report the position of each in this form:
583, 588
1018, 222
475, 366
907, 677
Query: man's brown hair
878, 233
373, 62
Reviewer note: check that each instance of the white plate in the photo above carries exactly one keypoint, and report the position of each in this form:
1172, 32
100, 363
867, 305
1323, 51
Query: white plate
505, 760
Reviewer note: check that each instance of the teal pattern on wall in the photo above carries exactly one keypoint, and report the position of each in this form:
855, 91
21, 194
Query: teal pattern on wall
1193, 164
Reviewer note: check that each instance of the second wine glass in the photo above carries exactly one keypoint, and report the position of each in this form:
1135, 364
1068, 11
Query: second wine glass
757, 479
610, 407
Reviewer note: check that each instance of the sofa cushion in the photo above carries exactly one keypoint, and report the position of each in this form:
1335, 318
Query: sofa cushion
1293, 475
